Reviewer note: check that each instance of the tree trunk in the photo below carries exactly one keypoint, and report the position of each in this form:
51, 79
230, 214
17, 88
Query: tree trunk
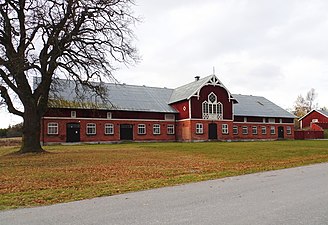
31, 132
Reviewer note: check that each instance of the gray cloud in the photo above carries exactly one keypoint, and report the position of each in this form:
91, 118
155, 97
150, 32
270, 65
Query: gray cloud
277, 49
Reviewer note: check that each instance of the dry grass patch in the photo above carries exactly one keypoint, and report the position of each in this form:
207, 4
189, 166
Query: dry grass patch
70, 173
11, 141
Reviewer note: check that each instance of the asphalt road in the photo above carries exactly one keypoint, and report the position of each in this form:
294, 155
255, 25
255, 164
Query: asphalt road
290, 196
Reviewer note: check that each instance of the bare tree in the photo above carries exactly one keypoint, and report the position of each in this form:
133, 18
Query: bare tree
81, 39
310, 97
300, 107
305, 105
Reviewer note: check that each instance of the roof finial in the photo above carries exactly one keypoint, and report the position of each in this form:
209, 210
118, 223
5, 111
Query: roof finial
213, 70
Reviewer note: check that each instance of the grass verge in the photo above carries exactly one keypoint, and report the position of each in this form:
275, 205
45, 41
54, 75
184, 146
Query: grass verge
70, 173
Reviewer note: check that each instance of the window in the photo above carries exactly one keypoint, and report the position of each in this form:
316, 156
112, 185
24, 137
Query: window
235, 129
212, 109
225, 129
170, 129
254, 130
272, 130
199, 128
272, 120
109, 128
205, 107
156, 129
73, 114
263, 130
212, 98
52, 128
109, 115
91, 128
315, 121
169, 117
245, 130
141, 129
289, 130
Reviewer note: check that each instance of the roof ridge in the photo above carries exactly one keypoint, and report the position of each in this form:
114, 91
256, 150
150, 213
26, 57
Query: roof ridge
250, 95
141, 86
119, 84
194, 82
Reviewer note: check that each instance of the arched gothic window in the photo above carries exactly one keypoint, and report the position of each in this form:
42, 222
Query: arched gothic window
212, 109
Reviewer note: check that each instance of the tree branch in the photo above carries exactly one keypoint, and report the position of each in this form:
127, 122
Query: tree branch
4, 94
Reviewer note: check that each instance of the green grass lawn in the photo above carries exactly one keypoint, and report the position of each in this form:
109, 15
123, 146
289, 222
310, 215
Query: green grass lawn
69, 173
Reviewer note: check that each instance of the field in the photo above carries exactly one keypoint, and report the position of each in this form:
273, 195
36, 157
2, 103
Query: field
69, 173
10, 141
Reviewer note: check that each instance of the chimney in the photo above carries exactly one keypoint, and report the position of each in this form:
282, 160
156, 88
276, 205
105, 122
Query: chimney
197, 78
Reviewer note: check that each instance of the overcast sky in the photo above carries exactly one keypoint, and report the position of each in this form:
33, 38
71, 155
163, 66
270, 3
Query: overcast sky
276, 49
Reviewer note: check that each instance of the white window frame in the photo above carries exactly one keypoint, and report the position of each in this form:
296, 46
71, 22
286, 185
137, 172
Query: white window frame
272, 120
52, 128
245, 130
212, 109
73, 114
109, 128
263, 130
170, 129
272, 130
156, 129
109, 115
225, 129
235, 130
289, 130
199, 128
142, 129
254, 130
91, 127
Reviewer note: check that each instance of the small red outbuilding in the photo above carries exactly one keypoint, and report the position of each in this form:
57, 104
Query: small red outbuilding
318, 117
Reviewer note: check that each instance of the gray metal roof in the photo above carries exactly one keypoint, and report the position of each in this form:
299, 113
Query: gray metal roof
249, 105
65, 94
185, 91
118, 97
323, 112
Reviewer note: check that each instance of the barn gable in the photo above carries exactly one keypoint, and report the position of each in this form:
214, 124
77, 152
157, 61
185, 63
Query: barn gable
193, 89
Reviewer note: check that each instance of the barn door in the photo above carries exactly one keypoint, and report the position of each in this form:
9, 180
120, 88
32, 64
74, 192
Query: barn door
281, 132
212, 131
126, 132
73, 132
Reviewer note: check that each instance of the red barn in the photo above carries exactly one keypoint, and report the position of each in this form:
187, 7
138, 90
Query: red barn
199, 111
318, 117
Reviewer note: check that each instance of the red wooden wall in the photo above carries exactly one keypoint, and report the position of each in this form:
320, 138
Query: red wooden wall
306, 121
222, 96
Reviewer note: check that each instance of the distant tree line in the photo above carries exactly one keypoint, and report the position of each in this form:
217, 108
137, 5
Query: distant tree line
12, 131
